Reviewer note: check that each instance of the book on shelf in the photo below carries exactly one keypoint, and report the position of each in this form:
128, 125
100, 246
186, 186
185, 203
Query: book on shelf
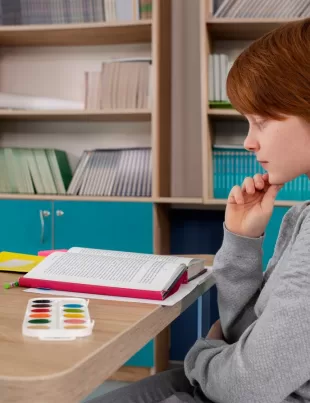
30, 171
121, 83
28, 12
33, 103
220, 105
113, 172
232, 164
261, 9
123, 274
145, 7
218, 69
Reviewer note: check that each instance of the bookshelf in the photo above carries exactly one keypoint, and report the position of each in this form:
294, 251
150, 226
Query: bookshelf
154, 34
51, 56
224, 33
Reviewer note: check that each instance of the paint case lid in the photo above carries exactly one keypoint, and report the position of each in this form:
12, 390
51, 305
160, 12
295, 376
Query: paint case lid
57, 319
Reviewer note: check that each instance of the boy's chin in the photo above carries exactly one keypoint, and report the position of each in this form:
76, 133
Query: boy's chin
276, 179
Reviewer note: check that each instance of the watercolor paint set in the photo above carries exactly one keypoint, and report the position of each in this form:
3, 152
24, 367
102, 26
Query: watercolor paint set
57, 318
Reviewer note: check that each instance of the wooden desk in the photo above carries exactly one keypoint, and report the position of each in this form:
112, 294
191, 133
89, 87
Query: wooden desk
33, 371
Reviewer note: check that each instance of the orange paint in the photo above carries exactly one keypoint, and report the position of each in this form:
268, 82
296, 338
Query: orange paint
40, 315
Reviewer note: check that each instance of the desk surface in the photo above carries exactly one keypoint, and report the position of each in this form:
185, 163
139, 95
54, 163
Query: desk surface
45, 371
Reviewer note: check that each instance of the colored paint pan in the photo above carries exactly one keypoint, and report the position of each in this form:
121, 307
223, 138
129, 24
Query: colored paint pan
57, 319
39, 321
75, 327
73, 310
41, 305
42, 301
73, 315
40, 315
40, 310
74, 321
73, 306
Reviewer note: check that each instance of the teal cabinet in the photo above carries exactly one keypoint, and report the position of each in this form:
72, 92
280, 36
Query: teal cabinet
26, 225
109, 225
272, 232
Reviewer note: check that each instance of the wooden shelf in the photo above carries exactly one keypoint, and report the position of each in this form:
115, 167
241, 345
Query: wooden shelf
180, 200
278, 203
164, 200
242, 28
225, 114
15, 196
100, 33
120, 115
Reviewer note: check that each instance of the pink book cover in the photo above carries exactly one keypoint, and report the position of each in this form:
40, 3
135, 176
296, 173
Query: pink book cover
49, 251
101, 290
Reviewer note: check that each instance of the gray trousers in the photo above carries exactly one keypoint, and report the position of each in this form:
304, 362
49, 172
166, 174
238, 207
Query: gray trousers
170, 386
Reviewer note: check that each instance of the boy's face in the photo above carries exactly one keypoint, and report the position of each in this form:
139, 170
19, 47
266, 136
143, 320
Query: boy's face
282, 147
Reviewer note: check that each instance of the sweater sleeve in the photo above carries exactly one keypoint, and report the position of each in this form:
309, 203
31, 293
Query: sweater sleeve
271, 358
239, 278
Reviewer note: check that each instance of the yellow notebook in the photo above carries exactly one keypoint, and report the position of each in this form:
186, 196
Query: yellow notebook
18, 262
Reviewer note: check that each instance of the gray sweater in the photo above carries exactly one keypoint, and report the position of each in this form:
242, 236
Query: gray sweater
265, 319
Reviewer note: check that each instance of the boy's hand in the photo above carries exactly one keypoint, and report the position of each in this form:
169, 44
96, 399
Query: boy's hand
250, 206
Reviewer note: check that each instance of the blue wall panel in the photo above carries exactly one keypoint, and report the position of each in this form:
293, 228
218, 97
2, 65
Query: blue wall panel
194, 232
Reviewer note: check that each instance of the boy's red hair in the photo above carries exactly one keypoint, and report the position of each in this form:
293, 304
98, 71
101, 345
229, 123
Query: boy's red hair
272, 76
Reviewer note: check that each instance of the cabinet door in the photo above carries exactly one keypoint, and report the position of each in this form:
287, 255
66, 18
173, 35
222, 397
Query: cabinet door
272, 232
123, 226
26, 225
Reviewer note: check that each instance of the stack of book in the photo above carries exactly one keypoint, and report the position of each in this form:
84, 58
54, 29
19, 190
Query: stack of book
30, 171
145, 8
232, 164
123, 83
218, 68
17, 12
263, 9
113, 172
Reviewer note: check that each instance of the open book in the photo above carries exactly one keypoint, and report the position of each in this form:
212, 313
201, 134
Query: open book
123, 274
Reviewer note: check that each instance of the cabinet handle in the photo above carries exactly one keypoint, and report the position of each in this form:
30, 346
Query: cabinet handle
43, 213
59, 213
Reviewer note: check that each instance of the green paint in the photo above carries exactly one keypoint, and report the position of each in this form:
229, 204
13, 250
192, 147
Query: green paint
73, 310
39, 321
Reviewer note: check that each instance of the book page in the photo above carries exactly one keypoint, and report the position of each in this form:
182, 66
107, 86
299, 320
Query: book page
107, 271
132, 255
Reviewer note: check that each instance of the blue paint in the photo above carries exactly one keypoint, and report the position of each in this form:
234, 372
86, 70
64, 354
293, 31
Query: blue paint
73, 306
